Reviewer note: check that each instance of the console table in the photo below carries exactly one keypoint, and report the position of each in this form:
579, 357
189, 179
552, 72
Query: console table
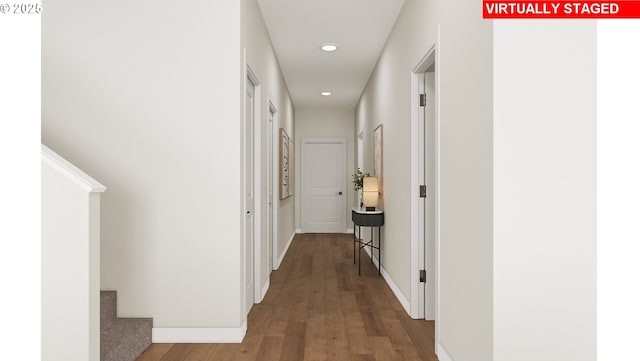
362, 218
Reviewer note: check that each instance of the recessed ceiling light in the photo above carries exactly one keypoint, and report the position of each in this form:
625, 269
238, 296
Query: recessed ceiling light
326, 94
329, 47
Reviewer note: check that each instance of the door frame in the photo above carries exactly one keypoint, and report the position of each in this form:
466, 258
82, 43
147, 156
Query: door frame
274, 183
257, 185
429, 59
303, 190
359, 164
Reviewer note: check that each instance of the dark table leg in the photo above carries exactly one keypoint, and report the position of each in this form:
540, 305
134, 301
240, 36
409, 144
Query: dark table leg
359, 258
354, 241
371, 245
379, 247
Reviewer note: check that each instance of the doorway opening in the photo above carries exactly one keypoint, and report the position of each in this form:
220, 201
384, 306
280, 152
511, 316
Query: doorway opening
425, 188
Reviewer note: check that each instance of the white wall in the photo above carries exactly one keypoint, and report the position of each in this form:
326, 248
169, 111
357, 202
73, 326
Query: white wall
539, 290
544, 190
262, 60
466, 179
146, 97
464, 61
326, 123
70, 256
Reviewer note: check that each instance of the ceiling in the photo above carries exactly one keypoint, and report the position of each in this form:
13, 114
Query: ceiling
298, 28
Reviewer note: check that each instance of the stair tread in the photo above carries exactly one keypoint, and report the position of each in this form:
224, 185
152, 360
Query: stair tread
108, 306
121, 338
125, 338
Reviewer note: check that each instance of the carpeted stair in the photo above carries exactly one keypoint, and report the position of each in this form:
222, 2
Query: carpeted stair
121, 339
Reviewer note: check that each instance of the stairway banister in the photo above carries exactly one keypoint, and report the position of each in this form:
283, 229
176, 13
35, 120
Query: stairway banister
70, 171
70, 261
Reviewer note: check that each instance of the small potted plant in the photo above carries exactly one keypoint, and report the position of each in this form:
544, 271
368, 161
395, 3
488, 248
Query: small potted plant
357, 181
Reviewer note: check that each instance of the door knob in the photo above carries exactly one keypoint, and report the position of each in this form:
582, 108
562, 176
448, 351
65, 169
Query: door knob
339, 193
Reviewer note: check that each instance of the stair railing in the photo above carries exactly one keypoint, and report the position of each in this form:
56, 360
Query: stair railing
70, 261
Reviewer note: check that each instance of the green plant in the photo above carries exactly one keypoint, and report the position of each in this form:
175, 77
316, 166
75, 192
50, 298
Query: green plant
357, 179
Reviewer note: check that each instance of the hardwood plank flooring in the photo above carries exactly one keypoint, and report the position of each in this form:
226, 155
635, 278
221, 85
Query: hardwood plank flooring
319, 309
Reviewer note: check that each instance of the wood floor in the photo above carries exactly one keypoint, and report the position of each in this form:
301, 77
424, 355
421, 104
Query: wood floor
317, 308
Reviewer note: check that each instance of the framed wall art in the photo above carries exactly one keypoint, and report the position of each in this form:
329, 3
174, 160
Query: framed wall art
292, 163
377, 158
286, 152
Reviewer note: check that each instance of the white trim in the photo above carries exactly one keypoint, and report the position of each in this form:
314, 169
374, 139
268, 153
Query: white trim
349, 230
257, 185
70, 171
257, 169
199, 335
415, 201
359, 165
404, 301
437, 249
442, 354
299, 231
368, 252
417, 235
265, 288
275, 200
286, 248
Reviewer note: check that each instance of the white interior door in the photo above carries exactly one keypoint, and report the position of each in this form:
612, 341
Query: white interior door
249, 196
361, 167
324, 185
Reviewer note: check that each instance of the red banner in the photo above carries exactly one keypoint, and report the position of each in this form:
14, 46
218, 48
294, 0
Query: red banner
495, 9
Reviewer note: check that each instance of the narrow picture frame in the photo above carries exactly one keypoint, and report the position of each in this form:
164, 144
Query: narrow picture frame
378, 155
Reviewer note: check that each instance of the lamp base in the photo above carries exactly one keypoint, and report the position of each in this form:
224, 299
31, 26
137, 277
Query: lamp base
370, 209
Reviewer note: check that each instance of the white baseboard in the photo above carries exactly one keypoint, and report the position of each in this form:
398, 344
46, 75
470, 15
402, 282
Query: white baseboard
286, 248
348, 230
368, 252
404, 301
442, 354
265, 288
198, 335
396, 291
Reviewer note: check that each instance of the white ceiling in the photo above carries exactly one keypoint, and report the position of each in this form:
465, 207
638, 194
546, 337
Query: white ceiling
297, 29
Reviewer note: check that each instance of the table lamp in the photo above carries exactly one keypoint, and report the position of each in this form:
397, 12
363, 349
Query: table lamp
370, 193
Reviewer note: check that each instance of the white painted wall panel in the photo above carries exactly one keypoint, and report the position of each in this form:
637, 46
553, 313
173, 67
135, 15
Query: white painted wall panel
544, 190
146, 96
70, 253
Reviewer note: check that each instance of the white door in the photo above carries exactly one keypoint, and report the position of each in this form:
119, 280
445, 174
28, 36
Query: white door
361, 166
324, 185
429, 206
270, 187
249, 197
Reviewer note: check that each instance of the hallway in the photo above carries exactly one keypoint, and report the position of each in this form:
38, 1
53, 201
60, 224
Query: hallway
317, 308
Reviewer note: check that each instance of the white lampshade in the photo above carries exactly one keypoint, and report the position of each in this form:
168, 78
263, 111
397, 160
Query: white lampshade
370, 192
